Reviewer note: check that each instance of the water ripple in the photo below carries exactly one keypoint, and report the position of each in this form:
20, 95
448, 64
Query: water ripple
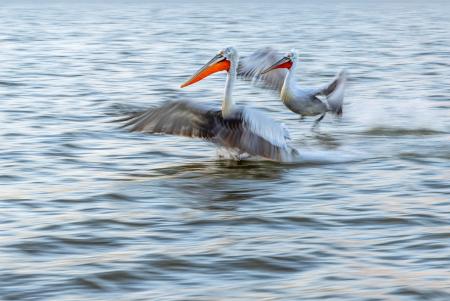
91, 212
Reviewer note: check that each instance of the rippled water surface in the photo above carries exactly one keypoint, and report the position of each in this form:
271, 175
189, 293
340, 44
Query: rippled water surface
91, 212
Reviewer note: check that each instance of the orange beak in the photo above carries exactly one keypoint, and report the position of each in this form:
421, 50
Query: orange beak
285, 62
218, 63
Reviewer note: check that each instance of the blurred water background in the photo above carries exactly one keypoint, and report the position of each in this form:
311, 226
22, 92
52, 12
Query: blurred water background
91, 212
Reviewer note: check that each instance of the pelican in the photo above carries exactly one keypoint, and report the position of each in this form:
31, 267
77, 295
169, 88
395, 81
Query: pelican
280, 75
233, 127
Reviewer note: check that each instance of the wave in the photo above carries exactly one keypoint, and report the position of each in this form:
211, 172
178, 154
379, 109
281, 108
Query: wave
398, 131
329, 156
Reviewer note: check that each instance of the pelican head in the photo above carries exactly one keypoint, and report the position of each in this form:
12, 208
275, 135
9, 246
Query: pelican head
221, 62
230, 53
285, 62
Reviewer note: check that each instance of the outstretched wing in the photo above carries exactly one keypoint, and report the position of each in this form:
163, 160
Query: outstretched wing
242, 132
250, 68
174, 118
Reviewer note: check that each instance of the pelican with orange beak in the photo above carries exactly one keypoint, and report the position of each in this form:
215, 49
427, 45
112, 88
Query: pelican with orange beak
279, 74
233, 127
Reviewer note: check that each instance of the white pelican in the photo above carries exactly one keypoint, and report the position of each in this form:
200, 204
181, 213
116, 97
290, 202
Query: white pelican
233, 127
303, 101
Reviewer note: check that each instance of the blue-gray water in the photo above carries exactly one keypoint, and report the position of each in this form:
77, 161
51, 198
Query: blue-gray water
91, 212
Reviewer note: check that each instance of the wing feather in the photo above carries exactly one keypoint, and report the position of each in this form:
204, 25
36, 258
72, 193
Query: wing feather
174, 118
265, 127
250, 68
334, 92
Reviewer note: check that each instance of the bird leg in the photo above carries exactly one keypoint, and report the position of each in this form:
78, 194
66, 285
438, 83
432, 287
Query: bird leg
320, 118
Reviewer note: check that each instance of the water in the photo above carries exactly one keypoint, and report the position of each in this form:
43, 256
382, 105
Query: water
90, 212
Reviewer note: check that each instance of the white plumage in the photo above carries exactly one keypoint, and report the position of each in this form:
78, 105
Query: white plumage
260, 67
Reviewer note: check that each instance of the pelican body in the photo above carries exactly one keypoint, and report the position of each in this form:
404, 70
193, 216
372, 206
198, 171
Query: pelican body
232, 127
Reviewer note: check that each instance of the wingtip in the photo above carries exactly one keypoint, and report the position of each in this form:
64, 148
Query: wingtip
343, 73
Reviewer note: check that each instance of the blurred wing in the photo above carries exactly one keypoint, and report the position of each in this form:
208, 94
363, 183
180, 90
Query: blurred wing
334, 92
250, 68
265, 127
257, 135
243, 132
174, 118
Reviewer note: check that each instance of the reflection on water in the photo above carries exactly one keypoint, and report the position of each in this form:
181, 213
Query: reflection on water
91, 212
